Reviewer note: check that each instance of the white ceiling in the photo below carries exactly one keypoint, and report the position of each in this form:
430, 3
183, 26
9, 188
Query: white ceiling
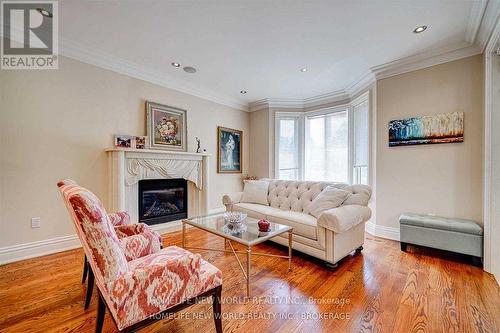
260, 46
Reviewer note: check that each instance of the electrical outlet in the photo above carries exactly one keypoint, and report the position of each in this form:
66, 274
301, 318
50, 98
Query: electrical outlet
35, 222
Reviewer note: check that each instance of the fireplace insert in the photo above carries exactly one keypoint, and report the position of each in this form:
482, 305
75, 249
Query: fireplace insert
162, 200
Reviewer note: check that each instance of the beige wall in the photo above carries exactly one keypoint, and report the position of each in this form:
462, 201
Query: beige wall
444, 179
56, 124
260, 144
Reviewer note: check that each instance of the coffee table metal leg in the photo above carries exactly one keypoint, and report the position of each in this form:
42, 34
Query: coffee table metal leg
290, 233
249, 256
183, 234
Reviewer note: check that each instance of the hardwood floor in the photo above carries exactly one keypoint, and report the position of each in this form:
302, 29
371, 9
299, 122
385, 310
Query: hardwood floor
380, 290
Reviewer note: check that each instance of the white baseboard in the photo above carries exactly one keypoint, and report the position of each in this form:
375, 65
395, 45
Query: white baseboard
382, 231
37, 249
19, 252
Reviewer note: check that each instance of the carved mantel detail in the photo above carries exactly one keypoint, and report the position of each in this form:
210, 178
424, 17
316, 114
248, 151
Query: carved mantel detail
128, 166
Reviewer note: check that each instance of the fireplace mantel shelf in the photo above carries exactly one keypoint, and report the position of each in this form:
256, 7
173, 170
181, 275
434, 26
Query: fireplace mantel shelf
155, 151
127, 167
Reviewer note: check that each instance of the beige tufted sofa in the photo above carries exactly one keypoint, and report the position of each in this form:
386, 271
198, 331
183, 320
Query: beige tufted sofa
332, 236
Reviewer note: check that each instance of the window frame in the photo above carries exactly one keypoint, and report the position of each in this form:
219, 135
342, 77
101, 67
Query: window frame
301, 132
325, 112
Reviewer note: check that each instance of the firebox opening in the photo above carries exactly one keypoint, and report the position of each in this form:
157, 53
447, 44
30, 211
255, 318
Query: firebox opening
162, 200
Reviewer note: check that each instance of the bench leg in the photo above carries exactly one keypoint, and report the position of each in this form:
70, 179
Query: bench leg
404, 246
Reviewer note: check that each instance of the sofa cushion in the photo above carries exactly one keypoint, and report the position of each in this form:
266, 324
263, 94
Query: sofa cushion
253, 210
298, 195
255, 191
302, 224
329, 198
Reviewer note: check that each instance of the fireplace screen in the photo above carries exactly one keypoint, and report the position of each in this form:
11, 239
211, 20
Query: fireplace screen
162, 200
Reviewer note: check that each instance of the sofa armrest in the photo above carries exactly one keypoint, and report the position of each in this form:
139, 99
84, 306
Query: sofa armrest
230, 199
119, 218
138, 240
343, 218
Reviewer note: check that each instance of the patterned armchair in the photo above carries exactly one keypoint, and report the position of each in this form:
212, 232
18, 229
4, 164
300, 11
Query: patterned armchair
136, 292
136, 240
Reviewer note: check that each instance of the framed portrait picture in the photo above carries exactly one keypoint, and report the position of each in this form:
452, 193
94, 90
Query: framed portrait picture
229, 150
166, 127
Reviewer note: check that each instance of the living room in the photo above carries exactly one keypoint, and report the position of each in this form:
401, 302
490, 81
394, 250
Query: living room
262, 166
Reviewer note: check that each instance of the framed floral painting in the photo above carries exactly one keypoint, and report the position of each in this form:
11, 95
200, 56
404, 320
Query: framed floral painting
229, 150
166, 127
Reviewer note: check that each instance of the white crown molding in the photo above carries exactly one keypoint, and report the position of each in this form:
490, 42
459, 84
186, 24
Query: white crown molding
366, 80
475, 18
37, 249
488, 23
481, 22
331, 97
101, 59
425, 59
265, 103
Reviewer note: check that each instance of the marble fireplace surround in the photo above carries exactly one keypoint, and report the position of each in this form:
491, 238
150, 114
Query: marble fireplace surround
128, 166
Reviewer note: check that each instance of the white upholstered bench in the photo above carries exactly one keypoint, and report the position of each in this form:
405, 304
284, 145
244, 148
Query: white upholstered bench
450, 234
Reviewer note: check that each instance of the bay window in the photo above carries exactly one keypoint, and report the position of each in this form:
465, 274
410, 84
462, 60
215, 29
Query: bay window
326, 145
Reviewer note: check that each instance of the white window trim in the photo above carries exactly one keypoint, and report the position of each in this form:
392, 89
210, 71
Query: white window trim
301, 116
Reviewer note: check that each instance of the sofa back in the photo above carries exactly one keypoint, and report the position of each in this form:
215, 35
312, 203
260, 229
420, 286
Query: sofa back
297, 195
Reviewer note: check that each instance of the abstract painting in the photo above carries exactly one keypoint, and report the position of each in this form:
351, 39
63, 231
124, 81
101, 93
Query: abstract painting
166, 127
229, 142
441, 128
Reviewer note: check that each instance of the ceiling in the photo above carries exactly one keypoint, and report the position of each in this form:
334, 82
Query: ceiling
260, 46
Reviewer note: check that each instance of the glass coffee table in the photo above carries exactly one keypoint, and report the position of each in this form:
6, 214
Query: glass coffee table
246, 233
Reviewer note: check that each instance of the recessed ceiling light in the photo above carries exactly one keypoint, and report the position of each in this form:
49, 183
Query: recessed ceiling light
44, 12
243, 92
189, 69
420, 29
175, 64
303, 70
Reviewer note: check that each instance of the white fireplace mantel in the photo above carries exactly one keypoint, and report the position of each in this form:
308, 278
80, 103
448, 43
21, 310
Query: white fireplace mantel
128, 166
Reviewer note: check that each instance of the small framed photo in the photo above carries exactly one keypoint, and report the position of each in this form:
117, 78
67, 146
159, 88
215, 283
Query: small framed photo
166, 127
229, 150
140, 142
123, 141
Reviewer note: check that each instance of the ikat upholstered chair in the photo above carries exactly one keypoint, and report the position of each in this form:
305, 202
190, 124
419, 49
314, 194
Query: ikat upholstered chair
141, 290
137, 240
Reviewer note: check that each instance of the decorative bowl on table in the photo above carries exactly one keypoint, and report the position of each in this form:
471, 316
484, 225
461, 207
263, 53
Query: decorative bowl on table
235, 229
234, 217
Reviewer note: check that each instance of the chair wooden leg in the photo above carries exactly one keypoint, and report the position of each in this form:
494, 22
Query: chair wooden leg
85, 268
101, 311
90, 289
216, 300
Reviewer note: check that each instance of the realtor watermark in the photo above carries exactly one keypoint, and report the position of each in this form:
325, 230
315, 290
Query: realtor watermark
29, 35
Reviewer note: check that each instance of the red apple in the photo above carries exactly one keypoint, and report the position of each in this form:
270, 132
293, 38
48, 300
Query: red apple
264, 225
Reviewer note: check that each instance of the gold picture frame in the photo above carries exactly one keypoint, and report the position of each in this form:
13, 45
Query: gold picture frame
229, 150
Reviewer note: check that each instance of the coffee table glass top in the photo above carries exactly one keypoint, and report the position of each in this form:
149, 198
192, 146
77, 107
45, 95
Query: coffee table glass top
247, 232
